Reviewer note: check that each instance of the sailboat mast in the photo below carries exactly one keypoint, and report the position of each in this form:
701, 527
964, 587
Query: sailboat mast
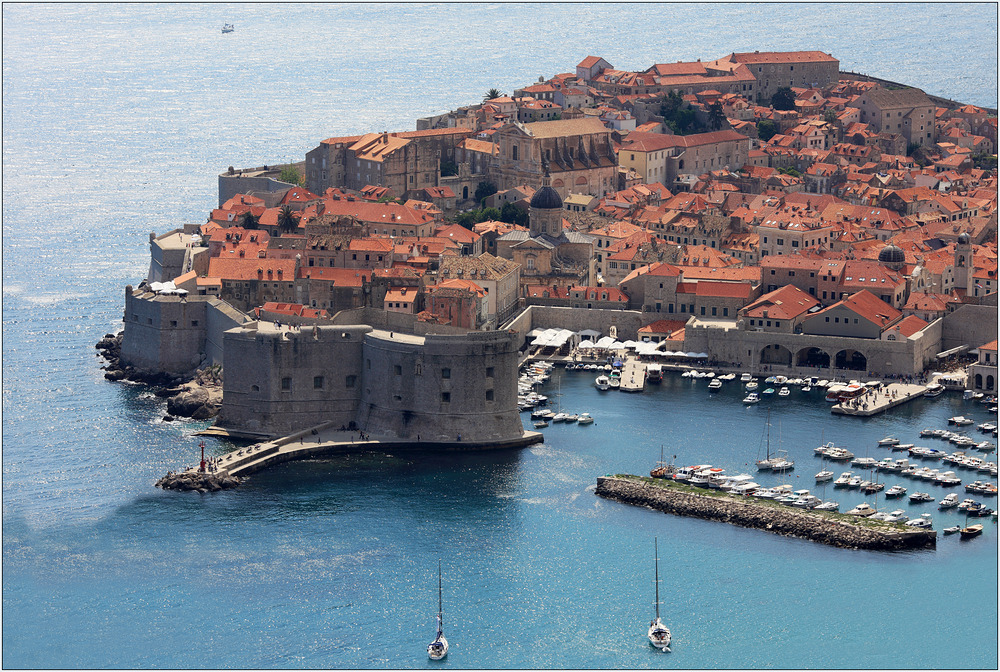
656, 575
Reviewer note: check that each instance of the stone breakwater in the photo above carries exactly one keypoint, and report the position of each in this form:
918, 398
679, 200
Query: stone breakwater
197, 481
671, 498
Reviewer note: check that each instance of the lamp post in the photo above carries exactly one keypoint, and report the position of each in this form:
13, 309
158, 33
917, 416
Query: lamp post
202, 444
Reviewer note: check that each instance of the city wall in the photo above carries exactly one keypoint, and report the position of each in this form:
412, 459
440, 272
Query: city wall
626, 322
433, 388
937, 100
749, 349
174, 334
441, 388
969, 325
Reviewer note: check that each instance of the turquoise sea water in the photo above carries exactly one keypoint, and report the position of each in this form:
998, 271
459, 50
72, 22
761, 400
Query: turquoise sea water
117, 119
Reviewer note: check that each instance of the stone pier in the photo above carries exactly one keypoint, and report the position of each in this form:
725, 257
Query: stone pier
825, 527
877, 401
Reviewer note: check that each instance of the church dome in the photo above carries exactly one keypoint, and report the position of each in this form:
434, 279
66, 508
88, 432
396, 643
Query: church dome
891, 254
964, 239
546, 198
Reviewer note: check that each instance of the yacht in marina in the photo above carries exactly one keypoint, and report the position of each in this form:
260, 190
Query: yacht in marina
602, 382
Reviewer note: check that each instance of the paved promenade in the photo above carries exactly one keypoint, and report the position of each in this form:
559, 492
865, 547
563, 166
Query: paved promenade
633, 376
324, 440
877, 401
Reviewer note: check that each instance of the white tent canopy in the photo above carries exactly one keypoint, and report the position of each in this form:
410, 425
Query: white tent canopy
589, 333
555, 338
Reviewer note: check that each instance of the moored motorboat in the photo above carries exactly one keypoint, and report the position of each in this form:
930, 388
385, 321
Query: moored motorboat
751, 398
715, 385
540, 424
602, 382
843, 479
888, 441
783, 392
934, 390
923, 521
585, 419
951, 530
895, 491
862, 510
921, 497
824, 476
949, 501
828, 506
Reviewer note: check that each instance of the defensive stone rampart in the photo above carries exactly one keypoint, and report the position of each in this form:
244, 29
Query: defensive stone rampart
970, 325
441, 387
748, 513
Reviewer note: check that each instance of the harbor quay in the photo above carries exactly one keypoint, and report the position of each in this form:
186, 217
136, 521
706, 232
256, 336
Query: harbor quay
317, 442
824, 527
877, 401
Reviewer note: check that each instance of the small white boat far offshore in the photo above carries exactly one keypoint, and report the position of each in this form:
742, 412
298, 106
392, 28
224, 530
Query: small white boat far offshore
658, 634
438, 649
227, 28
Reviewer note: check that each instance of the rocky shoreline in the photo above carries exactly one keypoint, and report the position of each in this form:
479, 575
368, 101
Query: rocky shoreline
671, 498
197, 396
197, 481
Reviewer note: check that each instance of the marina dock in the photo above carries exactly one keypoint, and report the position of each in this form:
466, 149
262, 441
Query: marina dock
878, 401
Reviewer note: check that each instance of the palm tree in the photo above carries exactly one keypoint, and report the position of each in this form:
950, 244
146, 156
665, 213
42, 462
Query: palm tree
287, 221
491, 94
250, 221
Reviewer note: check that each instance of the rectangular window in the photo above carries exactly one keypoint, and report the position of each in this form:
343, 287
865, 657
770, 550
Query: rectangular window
489, 395
446, 373
173, 323
725, 312
703, 310
397, 369
489, 371
194, 323
317, 382
350, 381
286, 383
446, 397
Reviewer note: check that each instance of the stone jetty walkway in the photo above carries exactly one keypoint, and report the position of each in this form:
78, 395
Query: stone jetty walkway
827, 528
633, 376
877, 401
322, 440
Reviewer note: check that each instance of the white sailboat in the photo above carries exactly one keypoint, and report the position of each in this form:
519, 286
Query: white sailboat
658, 634
438, 649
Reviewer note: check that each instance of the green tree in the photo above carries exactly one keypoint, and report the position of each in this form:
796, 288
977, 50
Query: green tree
448, 168
512, 214
492, 93
790, 171
489, 214
985, 161
466, 219
287, 221
766, 129
484, 189
249, 220
783, 99
716, 116
290, 175
830, 115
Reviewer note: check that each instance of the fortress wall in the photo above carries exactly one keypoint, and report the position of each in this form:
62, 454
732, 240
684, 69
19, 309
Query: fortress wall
743, 348
220, 317
320, 364
442, 387
163, 333
628, 322
402, 322
970, 325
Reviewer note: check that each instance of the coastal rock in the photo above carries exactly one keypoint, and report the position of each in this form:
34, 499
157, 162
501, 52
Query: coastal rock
197, 481
115, 374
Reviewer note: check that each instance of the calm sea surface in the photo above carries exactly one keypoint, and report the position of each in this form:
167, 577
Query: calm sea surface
116, 121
